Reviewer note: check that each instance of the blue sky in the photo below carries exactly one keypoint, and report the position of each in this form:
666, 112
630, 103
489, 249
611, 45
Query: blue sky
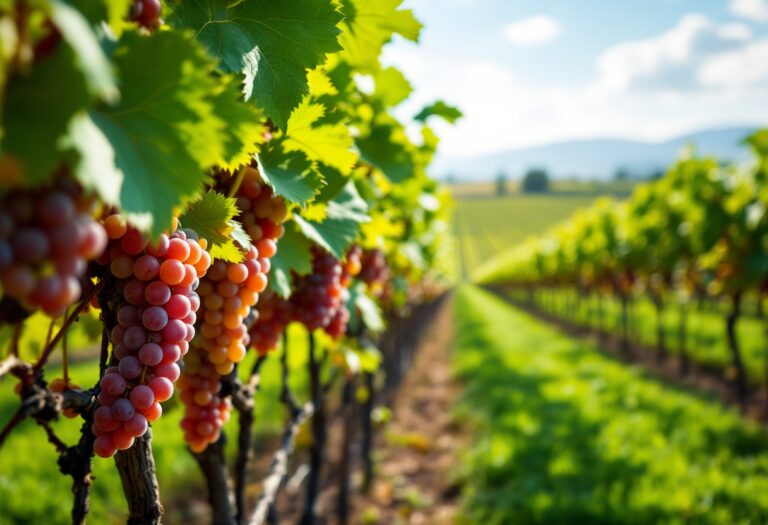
532, 72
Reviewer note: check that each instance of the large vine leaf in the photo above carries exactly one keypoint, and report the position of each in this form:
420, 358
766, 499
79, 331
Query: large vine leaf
36, 117
244, 123
387, 148
391, 86
338, 230
368, 25
364, 309
330, 144
293, 256
163, 133
89, 57
272, 42
290, 175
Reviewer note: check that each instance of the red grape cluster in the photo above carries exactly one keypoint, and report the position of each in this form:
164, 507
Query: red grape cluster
146, 13
318, 296
274, 314
47, 237
228, 293
155, 315
261, 213
374, 270
350, 267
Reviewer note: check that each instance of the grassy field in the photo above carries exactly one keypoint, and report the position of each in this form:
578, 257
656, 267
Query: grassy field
565, 435
28, 461
487, 224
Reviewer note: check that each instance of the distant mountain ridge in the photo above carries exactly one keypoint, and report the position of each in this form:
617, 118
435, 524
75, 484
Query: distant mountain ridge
598, 158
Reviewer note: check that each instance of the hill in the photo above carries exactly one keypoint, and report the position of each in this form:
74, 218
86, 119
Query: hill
597, 158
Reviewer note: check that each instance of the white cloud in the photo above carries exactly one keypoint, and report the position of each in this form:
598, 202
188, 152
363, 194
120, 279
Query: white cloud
735, 31
751, 9
737, 69
532, 31
670, 61
698, 74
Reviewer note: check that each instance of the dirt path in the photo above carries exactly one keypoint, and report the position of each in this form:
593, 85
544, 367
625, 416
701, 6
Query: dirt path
418, 450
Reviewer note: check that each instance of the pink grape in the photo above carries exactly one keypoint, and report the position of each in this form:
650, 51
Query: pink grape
154, 318
162, 388
151, 354
136, 426
146, 267
178, 307
134, 337
142, 396
157, 293
123, 410
113, 384
130, 367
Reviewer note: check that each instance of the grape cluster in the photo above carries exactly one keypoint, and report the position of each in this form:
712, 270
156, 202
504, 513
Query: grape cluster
318, 296
374, 271
146, 13
261, 213
47, 237
228, 292
350, 267
155, 315
274, 314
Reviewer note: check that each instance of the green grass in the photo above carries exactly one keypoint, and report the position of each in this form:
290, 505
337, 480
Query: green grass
32, 491
566, 435
488, 226
707, 343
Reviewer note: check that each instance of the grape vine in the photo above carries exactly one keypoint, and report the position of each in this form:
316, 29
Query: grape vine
203, 179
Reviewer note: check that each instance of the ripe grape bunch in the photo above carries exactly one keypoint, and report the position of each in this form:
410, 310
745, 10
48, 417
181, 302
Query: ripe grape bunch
274, 314
47, 237
146, 13
349, 269
318, 296
228, 292
374, 271
155, 314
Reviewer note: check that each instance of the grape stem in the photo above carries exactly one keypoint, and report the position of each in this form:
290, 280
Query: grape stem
236, 184
279, 466
65, 358
15, 338
70, 319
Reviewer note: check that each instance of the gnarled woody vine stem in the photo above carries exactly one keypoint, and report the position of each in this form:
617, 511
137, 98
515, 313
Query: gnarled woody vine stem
137, 474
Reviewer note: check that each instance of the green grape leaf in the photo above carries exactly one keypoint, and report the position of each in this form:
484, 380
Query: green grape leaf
334, 183
363, 308
96, 168
369, 25
290, 175
164, 132
439, 109
210, 217
330, 144
36, 117
89, 56
293, 256
244, 124
272, 42
391, 86
386, 147
339, 229
239, 235
228, 252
